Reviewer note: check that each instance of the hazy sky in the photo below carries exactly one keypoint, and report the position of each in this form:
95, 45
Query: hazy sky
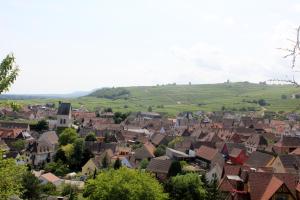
63, 46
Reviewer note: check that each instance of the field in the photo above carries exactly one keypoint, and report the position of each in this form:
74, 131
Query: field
172, 99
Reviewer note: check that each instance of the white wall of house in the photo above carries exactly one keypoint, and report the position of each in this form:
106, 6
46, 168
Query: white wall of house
64, 120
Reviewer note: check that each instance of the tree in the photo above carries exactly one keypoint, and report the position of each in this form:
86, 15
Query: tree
175, 169
11, 178
144, 163
160, 150
8, 72
77, 156
108, 110
58, 168
283, 96
18, 145
117, 163
186, 187
49, 189
69, 151
262, 102
212, 190
90, 137
69, 190
150, 109
104, 161
42, 125
68, 136
119, 117
31, 186
124, 184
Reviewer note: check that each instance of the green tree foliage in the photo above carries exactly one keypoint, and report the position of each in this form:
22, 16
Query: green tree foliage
284, 96
175, 169
8, 72
69, 190
150, 109
90, 137
186, 187
262, 102
58, 168
42, 125
117, 163
175, 141
104, 161
108, 110
18, 145
124, 184
14, 106
119, 117
68, 136
49, 189
144, 163
160, 150
76, 159
31, 186
11, 178
111, 93
212, 190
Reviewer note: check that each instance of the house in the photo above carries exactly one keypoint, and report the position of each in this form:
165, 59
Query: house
14, 125
176, 155
144, 152
214, 173
260, 186
258, 159
159, 139
50, 178
208, 157
256, 142
148, 115
264, 185
160, 166
94, 164
286, 145
286, 164
42, 150
238, 156
64, 115
11, 133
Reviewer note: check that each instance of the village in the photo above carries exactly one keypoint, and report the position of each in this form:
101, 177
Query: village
246, 156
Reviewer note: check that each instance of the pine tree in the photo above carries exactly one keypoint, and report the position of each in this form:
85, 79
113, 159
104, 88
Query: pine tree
117, 164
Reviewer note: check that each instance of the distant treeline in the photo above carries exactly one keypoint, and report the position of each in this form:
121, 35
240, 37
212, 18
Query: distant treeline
111, 93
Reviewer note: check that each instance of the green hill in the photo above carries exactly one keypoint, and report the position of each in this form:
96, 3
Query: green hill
172, 99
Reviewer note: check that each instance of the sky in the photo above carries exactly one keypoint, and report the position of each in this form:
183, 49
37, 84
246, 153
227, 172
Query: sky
63, 46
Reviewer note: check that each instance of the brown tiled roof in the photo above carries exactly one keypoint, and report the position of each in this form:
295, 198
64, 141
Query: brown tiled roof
157, 165
9, 133
288, 142
256, 139
262, 185
206, 152
157, 138
232, 170
296, 151
290, 161
146, 151
11, 125
258, 159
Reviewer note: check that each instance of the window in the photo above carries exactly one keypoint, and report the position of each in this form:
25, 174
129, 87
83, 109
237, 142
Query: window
281, 197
